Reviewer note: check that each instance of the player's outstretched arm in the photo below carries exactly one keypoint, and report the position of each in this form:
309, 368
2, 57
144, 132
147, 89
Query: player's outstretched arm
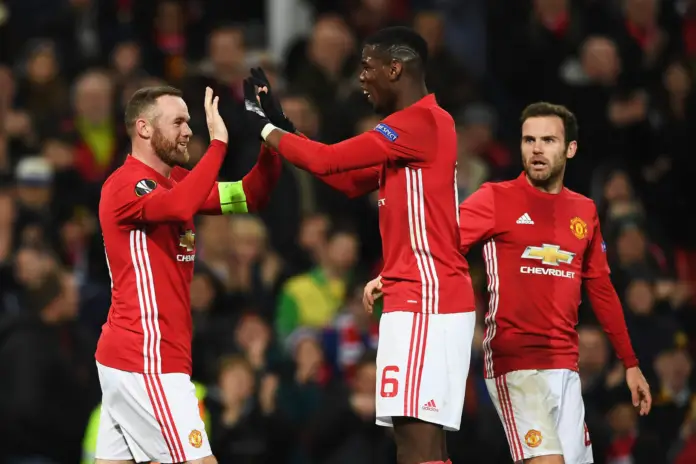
248, 195
372, 148
352, 183
184, 199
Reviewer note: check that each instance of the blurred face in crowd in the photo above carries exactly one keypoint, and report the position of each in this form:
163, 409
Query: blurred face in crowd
674, 369
171, 131
251, 329
170, 18
600, 60
248, 238
227, 51
214, 235
622, 419
365, 379
544, 150
677, 80
202, 292
642, 13
30, 267
342, 251
42, 66
34, 197
126, 58
550, 8
630, 246
308, 353
618, 188
302, 113
593, 351
312, 236
330, 44
236, 383
640, 297
430, 26
93, 98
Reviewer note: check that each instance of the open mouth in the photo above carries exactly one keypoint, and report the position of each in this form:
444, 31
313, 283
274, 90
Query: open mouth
183, 145
538, 164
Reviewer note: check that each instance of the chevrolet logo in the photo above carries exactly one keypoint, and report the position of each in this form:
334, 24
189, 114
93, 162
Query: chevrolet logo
188, 240
549, 254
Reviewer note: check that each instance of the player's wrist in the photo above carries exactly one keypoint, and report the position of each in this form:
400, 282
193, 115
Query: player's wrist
267, 129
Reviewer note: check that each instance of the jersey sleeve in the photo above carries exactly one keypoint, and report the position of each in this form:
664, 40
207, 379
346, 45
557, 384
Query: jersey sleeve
354, 183
250, 194
140, 200
595, 263
399, 138
476, 218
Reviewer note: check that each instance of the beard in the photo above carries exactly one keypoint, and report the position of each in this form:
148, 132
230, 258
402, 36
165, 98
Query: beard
168, 151
550, 175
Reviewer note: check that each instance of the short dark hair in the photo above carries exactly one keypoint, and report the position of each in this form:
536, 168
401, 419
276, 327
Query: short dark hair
543, 109
143, 99
400, 42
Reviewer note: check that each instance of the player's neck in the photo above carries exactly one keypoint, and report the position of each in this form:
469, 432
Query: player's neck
410, 95
149, 158
554, 187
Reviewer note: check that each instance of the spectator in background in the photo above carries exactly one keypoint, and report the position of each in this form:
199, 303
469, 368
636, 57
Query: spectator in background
312, 299
344, 432
49, 375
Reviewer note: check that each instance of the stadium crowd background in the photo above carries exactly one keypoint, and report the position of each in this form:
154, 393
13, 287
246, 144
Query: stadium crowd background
283, 352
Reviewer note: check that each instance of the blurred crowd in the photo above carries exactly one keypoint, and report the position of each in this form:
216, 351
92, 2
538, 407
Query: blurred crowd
283, 352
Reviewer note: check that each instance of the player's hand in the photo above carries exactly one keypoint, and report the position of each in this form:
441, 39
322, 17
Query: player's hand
257, 117
269, 103
216, 126
372, 292
640, 390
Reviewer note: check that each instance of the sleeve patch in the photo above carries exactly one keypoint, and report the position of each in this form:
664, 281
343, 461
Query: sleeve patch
388, 133
604, 246
145, 186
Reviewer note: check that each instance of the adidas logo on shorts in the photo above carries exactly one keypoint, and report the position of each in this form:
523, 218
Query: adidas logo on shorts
430, 406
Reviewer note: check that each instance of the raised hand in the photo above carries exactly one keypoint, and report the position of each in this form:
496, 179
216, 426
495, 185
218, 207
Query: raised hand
216, 126
257, 117
269, 103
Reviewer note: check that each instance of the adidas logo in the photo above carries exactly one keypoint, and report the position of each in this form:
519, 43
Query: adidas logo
525, 219
430, 406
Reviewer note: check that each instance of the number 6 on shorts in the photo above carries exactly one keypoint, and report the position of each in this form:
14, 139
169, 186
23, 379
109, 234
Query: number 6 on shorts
390, 382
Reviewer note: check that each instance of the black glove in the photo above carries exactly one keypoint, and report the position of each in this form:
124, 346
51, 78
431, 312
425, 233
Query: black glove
269, 103
257, 118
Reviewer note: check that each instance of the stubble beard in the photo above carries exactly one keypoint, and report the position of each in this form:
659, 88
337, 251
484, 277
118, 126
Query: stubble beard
168, 151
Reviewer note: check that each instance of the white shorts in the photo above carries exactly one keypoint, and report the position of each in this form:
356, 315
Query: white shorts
422, 366
149, 417
543, 414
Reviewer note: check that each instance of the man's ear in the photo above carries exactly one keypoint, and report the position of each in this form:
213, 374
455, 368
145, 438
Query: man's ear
395, 69
143, 128
572, 149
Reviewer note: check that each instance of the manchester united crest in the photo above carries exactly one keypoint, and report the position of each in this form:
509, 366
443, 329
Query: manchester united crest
533, 438
187, 240
196, 438
578, 227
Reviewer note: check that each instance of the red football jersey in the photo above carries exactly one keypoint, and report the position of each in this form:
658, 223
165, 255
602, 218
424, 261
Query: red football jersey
411, 158
149, 325
418, 213
538, 249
